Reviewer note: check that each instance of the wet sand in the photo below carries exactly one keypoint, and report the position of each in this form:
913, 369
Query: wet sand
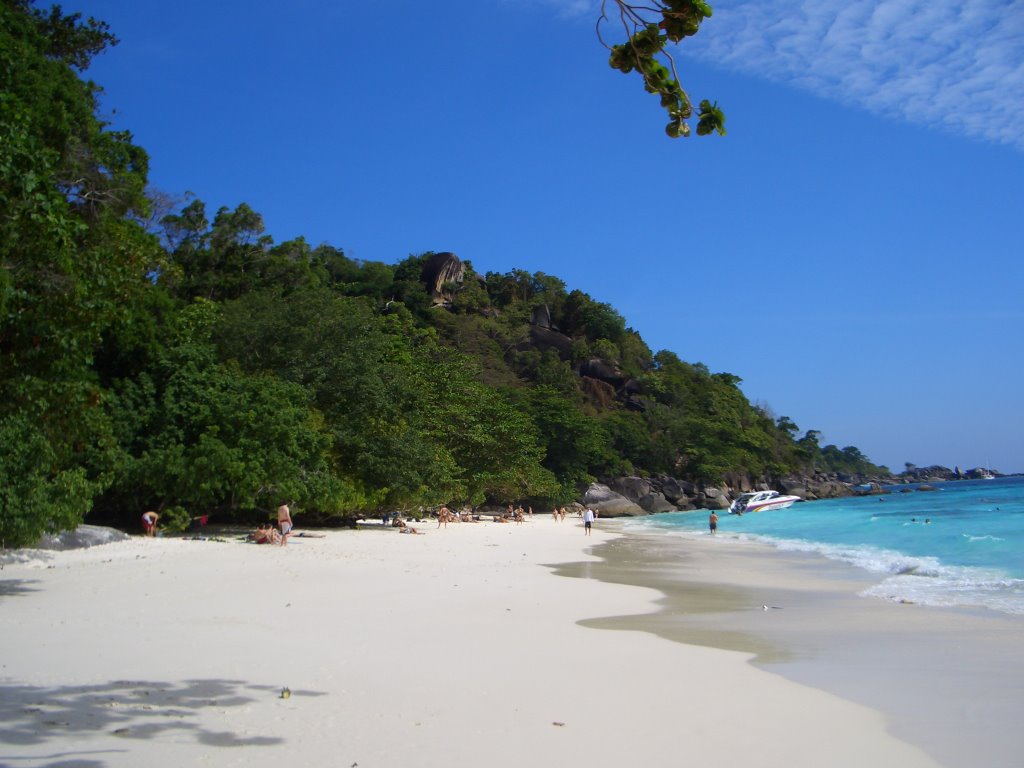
950, 681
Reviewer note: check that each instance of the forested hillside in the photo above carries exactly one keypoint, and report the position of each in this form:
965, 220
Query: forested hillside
185, 361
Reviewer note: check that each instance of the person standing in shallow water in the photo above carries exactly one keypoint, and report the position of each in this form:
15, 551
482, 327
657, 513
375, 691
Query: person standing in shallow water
713, 522
588, 521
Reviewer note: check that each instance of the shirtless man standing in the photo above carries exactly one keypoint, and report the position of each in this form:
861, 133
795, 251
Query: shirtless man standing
284, 520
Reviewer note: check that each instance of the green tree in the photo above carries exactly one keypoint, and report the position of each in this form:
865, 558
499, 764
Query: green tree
493, 447
593, 319
71, 258
576, 445
205, 435
359, 370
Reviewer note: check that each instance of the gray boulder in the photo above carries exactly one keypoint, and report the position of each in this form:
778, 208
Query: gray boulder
83, 537
677, 491
655, 502
712, 498
541, 316
794, 486
441, 271
596, 368
608, 503
544, 338
633, 488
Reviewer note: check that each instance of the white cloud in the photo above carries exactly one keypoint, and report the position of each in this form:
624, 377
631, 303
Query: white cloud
954, 64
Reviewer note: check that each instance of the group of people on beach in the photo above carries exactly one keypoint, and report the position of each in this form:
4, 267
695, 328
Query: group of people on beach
588, 515
264, 533
517, 514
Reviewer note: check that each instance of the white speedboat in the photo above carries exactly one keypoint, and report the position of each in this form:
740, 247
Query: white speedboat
761, 501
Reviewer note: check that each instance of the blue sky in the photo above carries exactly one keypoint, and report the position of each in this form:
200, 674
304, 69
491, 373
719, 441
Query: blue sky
851, 250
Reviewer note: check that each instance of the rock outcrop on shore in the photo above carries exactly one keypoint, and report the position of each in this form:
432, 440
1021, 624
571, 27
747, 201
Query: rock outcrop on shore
937, 474
608, 503
634, 496
82, 537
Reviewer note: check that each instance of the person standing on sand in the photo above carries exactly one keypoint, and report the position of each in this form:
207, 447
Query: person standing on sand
713, 522
149, 522
442, 516
588, 520
284, 521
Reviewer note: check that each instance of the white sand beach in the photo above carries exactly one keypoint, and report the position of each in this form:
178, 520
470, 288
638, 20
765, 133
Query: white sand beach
455, 648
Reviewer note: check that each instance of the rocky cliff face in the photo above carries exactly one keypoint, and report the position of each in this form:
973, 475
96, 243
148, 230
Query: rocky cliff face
440, 271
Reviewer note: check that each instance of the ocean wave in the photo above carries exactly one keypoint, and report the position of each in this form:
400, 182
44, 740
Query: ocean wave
922, 580
869, 558
1003, 595
969, 537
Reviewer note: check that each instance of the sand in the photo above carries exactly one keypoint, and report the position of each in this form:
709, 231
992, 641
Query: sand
459, 647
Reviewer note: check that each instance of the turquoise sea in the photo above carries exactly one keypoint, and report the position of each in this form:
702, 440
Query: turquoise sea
960, 545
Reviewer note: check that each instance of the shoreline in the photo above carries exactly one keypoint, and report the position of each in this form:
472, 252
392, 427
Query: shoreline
947, 679
454, 648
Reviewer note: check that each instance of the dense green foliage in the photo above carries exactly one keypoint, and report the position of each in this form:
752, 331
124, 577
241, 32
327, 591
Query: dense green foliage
198, 367
72, 262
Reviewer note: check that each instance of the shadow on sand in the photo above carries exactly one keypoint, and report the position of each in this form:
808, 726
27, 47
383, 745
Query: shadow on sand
17, 587
128, 709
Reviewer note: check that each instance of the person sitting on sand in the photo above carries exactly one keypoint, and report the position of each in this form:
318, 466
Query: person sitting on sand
149, 523
265, 533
